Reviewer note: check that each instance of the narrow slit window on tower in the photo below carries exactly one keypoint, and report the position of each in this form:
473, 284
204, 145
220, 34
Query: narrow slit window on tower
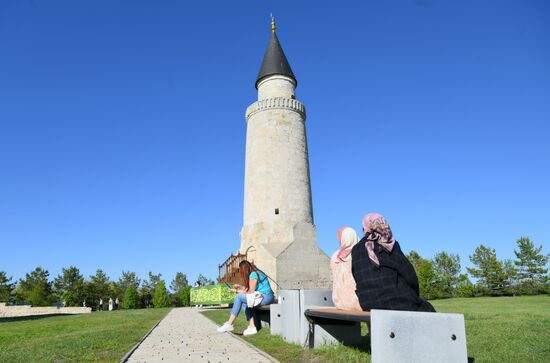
276, 210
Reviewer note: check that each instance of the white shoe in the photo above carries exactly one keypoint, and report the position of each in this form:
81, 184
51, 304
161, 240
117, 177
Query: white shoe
251, 330
225, 327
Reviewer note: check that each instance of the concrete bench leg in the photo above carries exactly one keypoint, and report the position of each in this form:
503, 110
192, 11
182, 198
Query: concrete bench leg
334, 332
417, 337
313, 298
275, 319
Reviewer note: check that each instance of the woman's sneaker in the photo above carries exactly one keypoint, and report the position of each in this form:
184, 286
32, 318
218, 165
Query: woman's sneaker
225, 327
251, 330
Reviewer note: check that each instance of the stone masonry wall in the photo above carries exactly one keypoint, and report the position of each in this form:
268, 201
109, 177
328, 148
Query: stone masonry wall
277, 181
17, 311
278, 212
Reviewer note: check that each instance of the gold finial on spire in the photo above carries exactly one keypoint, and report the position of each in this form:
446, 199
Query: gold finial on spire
273, 26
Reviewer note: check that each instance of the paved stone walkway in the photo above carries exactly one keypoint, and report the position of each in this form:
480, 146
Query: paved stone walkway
185, 335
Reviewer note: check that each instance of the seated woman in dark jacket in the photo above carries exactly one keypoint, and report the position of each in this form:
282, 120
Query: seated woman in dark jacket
384, 277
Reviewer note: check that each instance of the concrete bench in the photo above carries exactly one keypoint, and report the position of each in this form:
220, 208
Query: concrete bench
396, 336
285, 317
309, 318
342, 325
268, 315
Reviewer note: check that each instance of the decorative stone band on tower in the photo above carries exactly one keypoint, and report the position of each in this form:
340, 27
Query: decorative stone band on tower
278, 233
276, 103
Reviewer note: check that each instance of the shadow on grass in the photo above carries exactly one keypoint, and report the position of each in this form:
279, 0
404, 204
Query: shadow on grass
32, 317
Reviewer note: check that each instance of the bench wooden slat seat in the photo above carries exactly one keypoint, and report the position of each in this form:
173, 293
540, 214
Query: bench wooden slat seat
338, 314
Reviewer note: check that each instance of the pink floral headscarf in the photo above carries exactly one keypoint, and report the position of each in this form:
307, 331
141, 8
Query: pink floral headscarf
377, 229
347, 238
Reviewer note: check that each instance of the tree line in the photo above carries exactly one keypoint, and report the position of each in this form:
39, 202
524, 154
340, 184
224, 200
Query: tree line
441, 276
71, 288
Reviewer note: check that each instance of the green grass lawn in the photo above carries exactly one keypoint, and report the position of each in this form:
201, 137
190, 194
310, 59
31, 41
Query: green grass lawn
498, 329
96, 337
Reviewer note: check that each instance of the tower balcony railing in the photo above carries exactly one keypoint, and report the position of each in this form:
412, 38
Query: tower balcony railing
276, 102
228, 271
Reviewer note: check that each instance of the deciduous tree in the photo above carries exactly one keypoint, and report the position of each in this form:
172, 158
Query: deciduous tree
428, 280
465, 288
203, 280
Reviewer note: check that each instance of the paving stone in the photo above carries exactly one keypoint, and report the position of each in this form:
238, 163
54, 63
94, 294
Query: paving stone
185, 335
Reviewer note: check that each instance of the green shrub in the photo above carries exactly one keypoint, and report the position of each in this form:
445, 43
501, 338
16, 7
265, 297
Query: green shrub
131, 298
184, 296
161, 299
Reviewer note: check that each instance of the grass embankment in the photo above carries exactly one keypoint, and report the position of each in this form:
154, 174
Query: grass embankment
96, 337
498, 329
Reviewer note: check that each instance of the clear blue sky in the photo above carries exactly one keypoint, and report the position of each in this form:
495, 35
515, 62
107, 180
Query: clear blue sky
122, 130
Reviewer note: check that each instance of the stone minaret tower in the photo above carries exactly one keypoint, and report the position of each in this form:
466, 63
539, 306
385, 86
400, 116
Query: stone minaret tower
278, 232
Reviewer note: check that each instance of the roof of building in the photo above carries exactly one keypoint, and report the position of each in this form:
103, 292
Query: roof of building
275, 61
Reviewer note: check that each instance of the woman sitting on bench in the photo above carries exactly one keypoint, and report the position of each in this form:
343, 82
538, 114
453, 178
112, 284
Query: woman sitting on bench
343, 284
385, 278
255, 291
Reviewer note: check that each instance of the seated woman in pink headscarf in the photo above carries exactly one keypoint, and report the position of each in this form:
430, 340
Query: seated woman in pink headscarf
385, 278
343, 288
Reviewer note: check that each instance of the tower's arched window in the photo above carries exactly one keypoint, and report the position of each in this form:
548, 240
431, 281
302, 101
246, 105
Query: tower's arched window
251, 254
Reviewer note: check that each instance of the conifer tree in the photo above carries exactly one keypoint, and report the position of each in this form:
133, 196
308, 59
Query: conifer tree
131, 298
127, 279
184, 296
179, 282
35, 288
490, 271
6, 287
531, 265
447, 266
99, 287
69, 286
161, 299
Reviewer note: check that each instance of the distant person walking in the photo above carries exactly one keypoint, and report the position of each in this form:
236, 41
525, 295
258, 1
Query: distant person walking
385, 278
116, 304
343, 284
100, 307
111, 304
255, 290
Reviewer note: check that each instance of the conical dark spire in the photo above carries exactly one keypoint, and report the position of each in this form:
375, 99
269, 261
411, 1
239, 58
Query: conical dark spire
274, 61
